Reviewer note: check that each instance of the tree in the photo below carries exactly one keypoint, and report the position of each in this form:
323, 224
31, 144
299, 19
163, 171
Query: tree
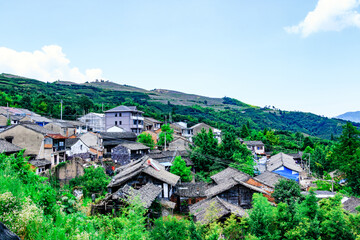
8, 122
261, 217
204, 150
307, 143
94, 180
346, 156
85, 103
229, 145
243, 160
146, 139
166, 132
244, 133
287, 191
179, 168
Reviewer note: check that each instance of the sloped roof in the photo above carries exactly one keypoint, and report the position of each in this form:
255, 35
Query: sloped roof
221, 187
6, 147
253, 143
133, 145
143, 165
269, 178
150, 121
40, 119
63, 124
191, 190
146, 194
108, 136
229, 173
124, 109
71, 141
282, 159
350, 204
40, 162
215, 208
36, 128
6, 234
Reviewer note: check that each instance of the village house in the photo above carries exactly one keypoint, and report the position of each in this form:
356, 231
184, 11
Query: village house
166, 158
151, 124
14, 119
187, 194
128, 151
75, 146
38, 142
285, 166
71, 169
256, 147
39, 120
94, 142
62, 127
179, 144
128, 118
141, 172
128, 195
194, 130
113, 139
39, 165
215, 208
8, 148
153, 135
237, 187
94, 122
80, 127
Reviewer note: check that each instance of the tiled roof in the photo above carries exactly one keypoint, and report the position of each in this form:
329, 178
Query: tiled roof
40, 162
282, 159
124, 109
6, 147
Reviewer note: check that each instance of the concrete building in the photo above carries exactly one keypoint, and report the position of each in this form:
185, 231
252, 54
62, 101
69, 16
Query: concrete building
94, 121
128, 118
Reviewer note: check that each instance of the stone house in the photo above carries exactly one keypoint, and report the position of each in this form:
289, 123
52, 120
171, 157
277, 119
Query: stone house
151, 124
38, 142
194, 130
62, 127
141, 172
8, 148
256, 147
128, 151
39, 165
71, 169
113, 139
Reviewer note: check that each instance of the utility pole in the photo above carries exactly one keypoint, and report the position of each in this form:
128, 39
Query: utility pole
61, 109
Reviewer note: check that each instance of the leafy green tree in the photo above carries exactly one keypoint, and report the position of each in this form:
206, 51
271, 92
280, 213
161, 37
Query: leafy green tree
261, 217
8, 122
166, 132
228, 146
346, 156
179, 168
170, 228
244, 133
146, 139
307, 143
94, 180
204, 151
85, 103
287, 191
243, 160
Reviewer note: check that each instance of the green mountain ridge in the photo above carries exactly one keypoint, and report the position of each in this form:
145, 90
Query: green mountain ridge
224, 113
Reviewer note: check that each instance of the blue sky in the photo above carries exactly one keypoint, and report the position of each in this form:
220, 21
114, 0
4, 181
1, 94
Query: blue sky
294, 55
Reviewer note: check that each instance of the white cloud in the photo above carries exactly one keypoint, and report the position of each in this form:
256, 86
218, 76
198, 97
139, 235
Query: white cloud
47, 64
329, 15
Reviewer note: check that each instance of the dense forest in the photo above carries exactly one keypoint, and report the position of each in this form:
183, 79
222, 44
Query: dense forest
44, 98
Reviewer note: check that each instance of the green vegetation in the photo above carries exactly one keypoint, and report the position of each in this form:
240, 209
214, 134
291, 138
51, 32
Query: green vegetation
146, 139
94, 180
31, 208
227, 113
166, 135
179, 168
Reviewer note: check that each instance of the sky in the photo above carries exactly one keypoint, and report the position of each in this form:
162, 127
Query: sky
292, 54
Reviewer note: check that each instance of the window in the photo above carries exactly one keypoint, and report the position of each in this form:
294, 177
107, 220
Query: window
120, 123
115, 114
81, 147
115, 123
119, 114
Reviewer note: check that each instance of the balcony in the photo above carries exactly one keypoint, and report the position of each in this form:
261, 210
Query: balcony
137, 118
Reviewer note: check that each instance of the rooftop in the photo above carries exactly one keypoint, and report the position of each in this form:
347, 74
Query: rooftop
269, 178
124, 109
6, 147
282, 159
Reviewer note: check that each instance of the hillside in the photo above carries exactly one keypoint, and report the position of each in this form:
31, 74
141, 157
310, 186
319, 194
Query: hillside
350, 116
225, 113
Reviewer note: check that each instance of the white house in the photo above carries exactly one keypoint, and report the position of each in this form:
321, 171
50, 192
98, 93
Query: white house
115, 129
75, 146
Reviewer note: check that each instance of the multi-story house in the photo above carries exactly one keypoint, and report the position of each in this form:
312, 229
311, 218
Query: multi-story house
128, 118
38, 142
